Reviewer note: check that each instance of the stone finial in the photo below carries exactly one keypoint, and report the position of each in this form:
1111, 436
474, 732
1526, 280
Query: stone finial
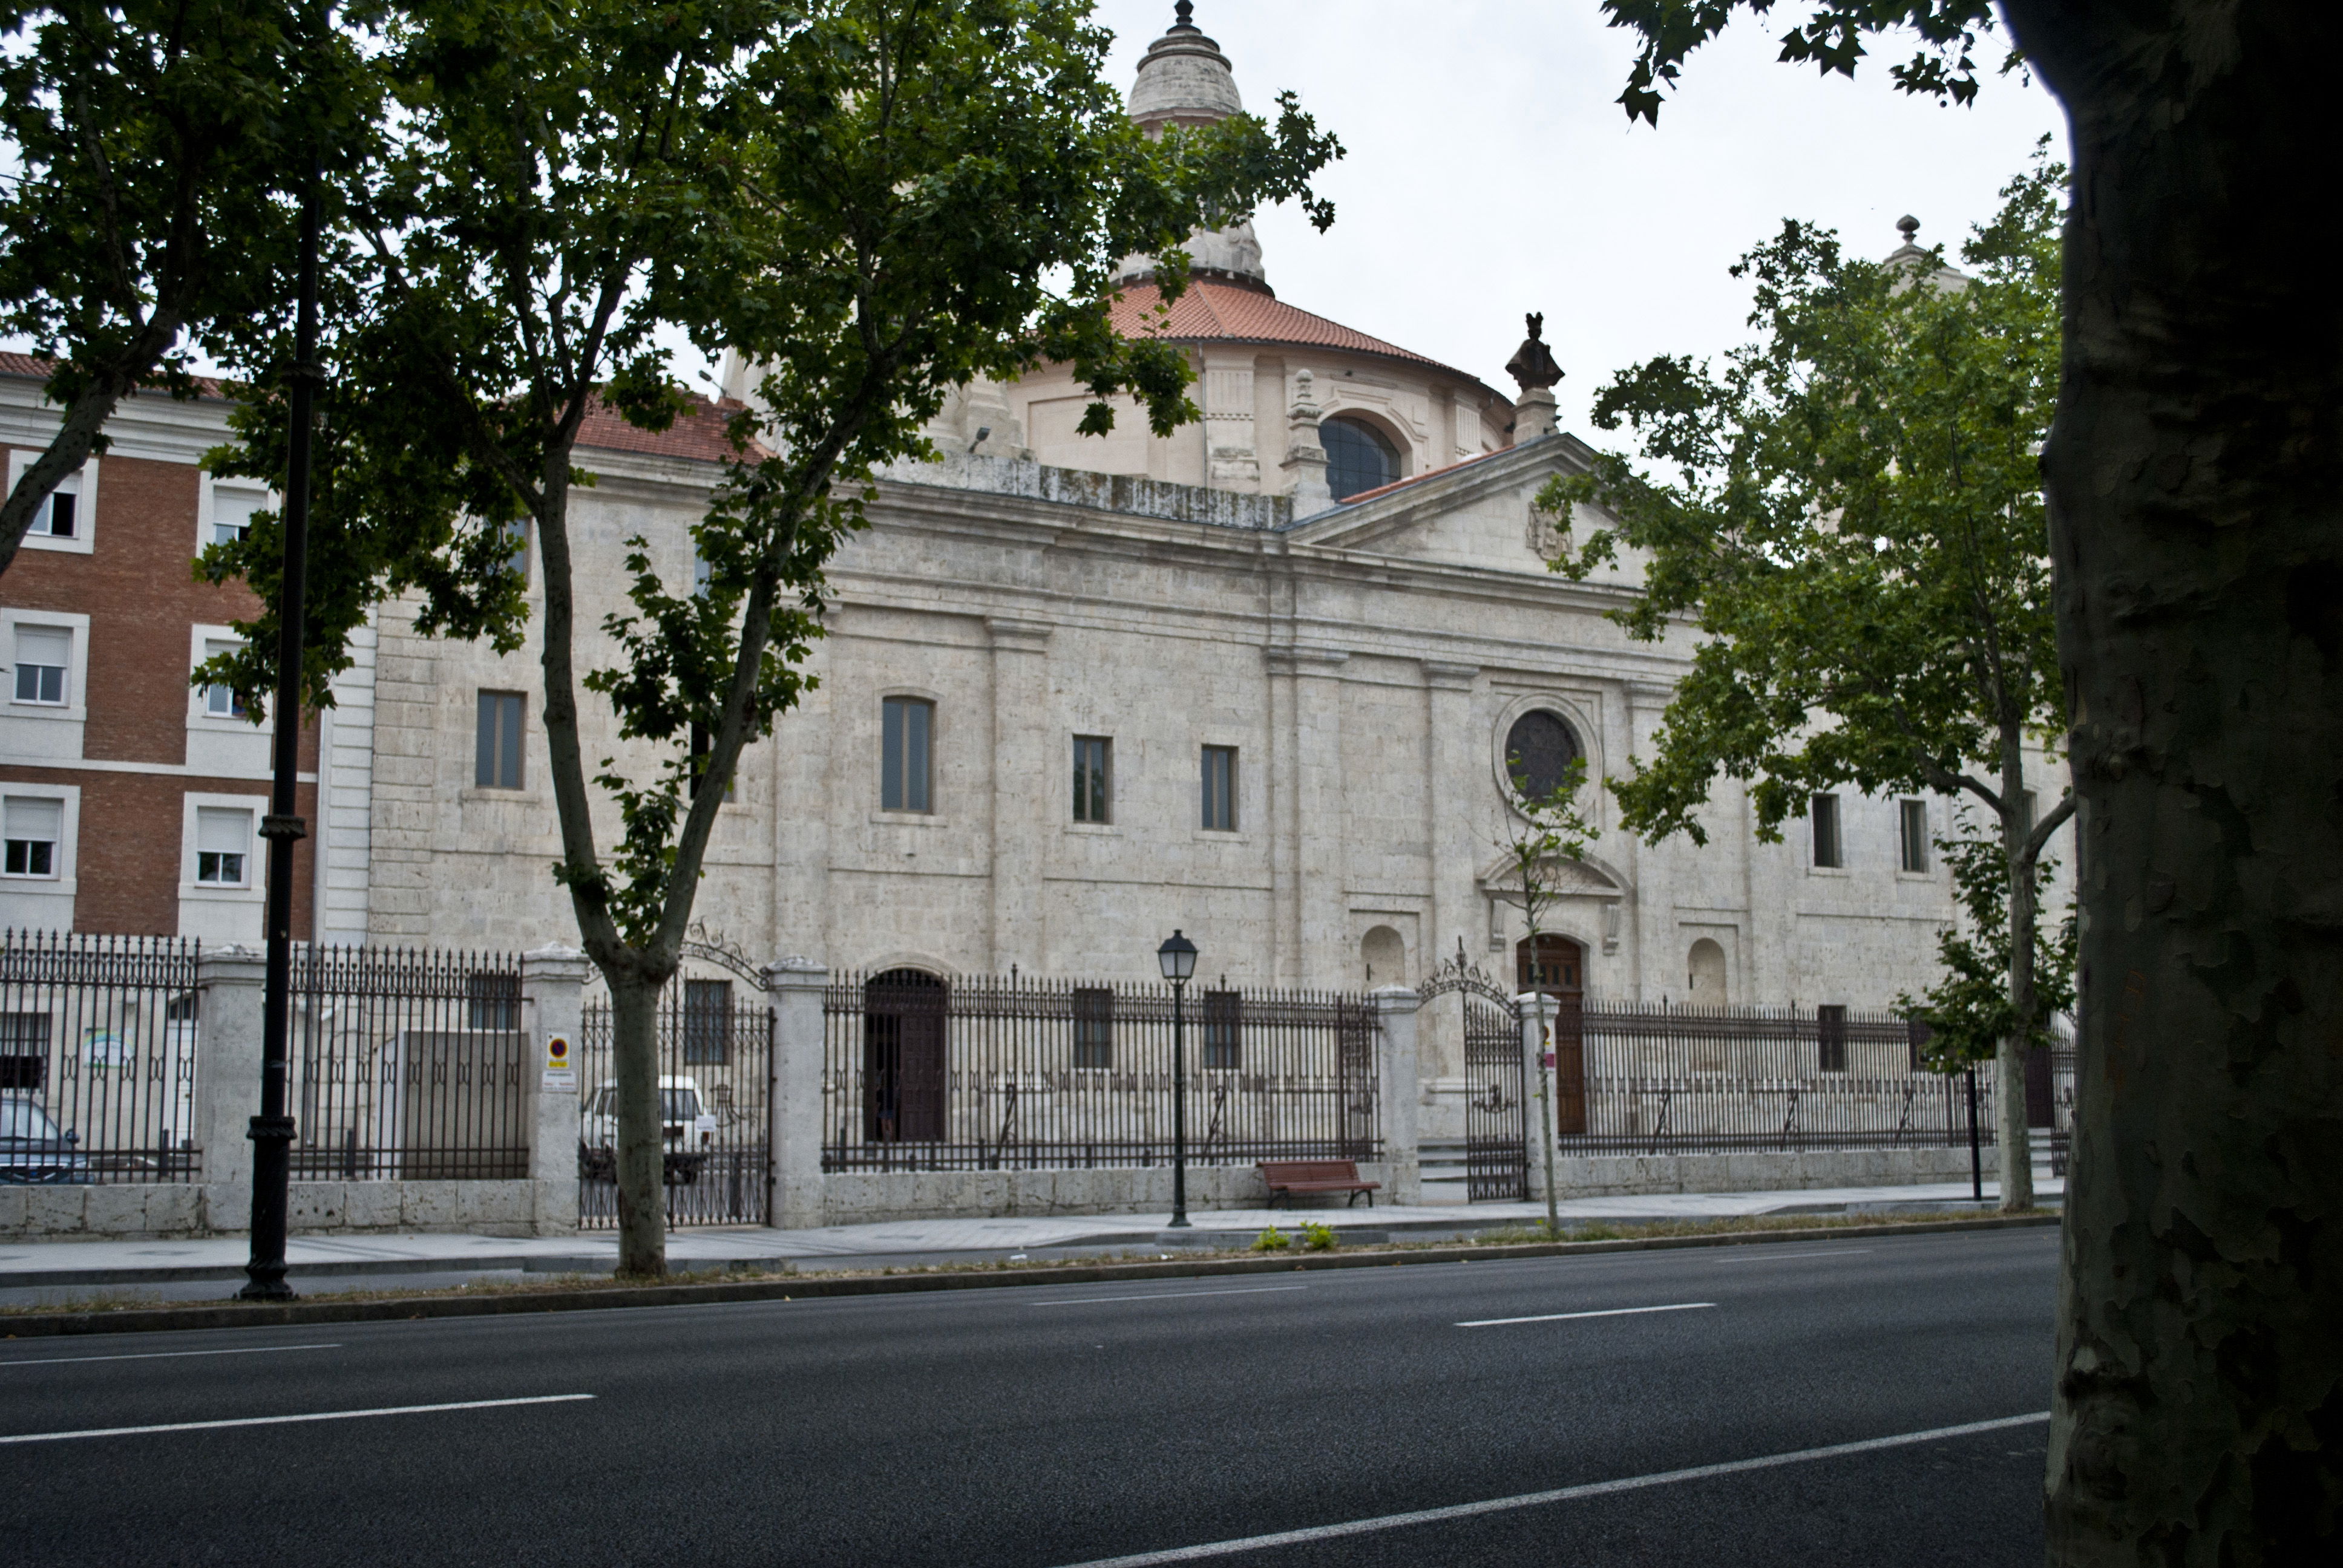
1305, 459
1186, 13
1532, 364
1908, 225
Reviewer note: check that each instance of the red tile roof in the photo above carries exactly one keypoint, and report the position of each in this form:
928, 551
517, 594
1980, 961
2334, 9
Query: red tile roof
696, 434
32, 367
1213, 310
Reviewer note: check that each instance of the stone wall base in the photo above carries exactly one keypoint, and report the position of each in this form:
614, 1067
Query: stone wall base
506, 1208
862, 1197
1627, 1175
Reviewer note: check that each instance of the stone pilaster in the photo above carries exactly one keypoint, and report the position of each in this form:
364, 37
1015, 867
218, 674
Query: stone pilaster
1307, 813
1534, 416
1306, 461
1399, 1073
794, 1100
1020, 805
553, 994
228, 982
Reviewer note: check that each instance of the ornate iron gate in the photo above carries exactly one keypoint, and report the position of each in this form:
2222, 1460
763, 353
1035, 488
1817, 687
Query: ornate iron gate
1496, 1127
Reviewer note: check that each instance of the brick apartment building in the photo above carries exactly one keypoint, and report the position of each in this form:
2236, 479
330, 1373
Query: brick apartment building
131, 799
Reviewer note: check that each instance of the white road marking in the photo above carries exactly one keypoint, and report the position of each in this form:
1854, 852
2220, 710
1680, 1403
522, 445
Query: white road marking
287, 1420
1560, 1494
168, 1355
1766, 1254
1166, 1295
1565, 1317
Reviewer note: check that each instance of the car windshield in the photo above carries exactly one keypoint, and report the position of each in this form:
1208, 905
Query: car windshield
679, 1104
24, 1119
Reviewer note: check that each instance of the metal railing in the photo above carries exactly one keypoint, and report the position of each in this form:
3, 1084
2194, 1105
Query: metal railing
1660, 1079
97, 1059
406, 1065
990, 1073
715, 1058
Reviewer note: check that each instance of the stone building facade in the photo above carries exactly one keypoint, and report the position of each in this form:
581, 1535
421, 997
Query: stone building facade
1257, 680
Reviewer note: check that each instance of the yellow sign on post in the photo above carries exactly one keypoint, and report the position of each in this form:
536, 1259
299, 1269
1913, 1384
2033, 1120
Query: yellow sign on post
560, 1066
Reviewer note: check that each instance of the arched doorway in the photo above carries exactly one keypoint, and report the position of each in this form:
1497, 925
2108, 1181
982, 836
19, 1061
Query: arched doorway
903, 1015
1557, 966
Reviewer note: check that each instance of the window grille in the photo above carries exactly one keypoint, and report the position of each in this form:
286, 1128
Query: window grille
708, 1021
1093, 1027
1832, 1020
1224, 1028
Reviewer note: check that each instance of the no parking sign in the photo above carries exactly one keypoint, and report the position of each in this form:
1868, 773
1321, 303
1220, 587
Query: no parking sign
560, 1068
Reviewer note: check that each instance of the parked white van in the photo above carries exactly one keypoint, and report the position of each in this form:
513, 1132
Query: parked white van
689, 1127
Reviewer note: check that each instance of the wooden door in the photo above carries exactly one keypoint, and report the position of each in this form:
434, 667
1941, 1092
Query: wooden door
903, 1013
1558, 969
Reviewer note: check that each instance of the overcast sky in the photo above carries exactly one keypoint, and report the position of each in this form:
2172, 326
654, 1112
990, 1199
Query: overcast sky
1491, 171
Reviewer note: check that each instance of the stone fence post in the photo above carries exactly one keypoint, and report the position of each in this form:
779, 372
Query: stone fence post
552, 993
796, 986
228, 983
1398, 1070
1537, 1015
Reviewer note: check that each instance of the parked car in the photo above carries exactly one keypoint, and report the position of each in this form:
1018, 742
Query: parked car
33, 1148
689, 1128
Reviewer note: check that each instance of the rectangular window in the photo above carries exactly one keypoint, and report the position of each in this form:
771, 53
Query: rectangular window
44, 656
492, 1001
516, 555
1912, 816
24, 1050
232, 513
59, 517
221, 702
1224, 1028
1093, 1027
1832, 1026
1825, 820
906, 754
35, 829
708, 1021
1093, 776
222, 847
495, 755
1221, 789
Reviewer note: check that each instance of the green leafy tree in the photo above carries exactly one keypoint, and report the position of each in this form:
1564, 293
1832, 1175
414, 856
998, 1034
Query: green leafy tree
1544, 835
148, 208
873, 201
1967, 1011
1849, 512
2196, 512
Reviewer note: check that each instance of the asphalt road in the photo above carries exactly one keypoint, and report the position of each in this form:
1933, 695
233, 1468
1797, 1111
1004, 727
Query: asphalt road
1058, 1425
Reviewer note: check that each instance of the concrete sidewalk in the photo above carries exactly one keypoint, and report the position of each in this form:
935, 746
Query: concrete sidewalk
48, 1273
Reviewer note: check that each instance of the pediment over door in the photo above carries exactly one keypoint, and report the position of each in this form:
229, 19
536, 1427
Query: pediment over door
1567, 879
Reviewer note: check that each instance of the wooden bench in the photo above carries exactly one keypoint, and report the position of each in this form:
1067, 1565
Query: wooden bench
1288, 1176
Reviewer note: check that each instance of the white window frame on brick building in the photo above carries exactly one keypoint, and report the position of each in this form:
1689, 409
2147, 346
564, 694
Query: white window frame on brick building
35, 900
218, 911
37, 731
82, 485
218, 501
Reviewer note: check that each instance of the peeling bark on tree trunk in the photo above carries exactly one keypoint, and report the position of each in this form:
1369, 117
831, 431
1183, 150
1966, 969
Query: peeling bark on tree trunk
2196, 482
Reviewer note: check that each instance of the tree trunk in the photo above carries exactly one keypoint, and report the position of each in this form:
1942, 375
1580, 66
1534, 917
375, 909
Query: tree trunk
2014, 1142
642, 1142
2196, 485
83, 423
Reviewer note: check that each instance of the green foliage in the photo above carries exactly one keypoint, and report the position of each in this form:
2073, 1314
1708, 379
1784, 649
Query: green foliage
1968, 1012
1832, 40
1317, 1236
1849, 512
1543, 834
1271, 1241
154, 154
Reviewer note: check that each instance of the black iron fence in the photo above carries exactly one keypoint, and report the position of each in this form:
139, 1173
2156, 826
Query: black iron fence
715, 1076
988, 1073
97, 1059
1656, 1079
406, 1065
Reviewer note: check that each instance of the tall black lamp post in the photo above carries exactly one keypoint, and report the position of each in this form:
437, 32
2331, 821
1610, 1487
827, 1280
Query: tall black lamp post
272, 1129
1178, 957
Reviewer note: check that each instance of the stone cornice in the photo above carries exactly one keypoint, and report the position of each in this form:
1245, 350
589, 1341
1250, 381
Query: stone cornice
1442, 676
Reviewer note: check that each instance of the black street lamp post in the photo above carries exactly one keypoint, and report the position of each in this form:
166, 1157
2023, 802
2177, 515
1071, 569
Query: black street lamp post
272, 1129
1178, 958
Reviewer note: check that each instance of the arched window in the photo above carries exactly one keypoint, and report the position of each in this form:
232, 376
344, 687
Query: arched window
1358, 456
1539, 750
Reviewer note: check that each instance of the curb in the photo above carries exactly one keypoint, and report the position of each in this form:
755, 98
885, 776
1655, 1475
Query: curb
236, 1315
